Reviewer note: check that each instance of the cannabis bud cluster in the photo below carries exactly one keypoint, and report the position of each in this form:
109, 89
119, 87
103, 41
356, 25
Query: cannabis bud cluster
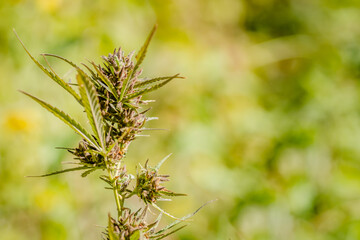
111, 94
148, 185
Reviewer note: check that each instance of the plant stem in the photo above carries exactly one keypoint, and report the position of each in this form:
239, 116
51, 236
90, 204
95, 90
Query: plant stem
116, 195
118, 204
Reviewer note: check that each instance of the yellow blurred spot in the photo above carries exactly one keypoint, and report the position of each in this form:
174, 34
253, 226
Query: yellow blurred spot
19, 121
49, 5
46, 200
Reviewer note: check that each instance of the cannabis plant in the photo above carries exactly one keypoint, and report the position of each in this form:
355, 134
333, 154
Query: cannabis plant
111, 95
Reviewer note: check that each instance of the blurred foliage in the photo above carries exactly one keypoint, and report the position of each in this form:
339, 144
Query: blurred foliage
267, 121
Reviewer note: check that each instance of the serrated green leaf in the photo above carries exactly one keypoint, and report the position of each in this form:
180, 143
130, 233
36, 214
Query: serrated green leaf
67, 120
106, 81
52, 75
149, 89
62, 171
61, 58
89, 69
153, 80
92, 106
142, 53
70, 63
139, 59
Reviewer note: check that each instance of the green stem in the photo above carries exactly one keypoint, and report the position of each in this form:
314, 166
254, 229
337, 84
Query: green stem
122, 202
119, 205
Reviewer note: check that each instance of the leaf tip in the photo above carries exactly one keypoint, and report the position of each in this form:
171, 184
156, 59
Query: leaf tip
17, 36
21, 91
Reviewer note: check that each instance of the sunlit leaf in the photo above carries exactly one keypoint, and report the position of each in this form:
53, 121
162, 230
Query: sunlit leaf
69, 62
53, 76
62, 171
61, 58
153, 80
139, 59
142, 53
92, 106
66, 119
147, 90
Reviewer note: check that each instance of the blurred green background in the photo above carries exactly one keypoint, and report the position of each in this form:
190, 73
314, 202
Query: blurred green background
267, 120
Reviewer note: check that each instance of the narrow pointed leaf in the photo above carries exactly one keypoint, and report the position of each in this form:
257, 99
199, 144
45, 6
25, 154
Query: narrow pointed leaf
87, 172
157, 167
125, 85
172, 232
156, 223
142, 53
89, 69
66, 119
69, 62
62, 171
172, 194
61, 58
164, 212
171, 225
149, 89
139, 59
151, 118
53, 76
92, 106
153, 80
112, 235
141, 135
154, 129
106, 81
